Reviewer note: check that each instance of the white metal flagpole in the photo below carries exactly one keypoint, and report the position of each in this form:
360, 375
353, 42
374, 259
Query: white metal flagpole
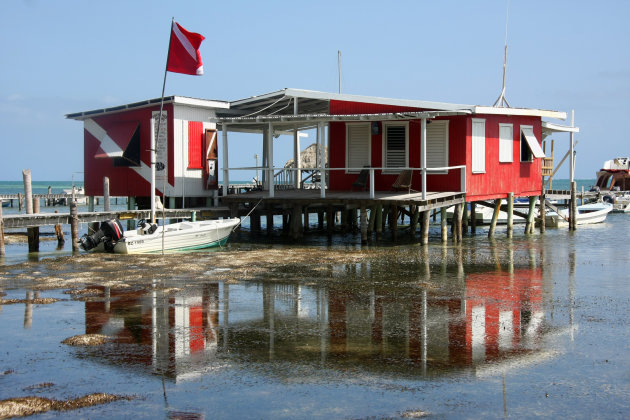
154, 145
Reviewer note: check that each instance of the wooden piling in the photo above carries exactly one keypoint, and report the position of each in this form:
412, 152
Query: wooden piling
573, 212
33, 232
74, 226
20, 202
49, 201
106, 194
379, 221
495, 217
394, 221
59, 233
541, 210
330, 221
371, 221
28, 191
364, 225
529, 226
455, 225
413, 220
426, 219
465, 218
473, 218
269, 220
2, 251
510, 215
443, 224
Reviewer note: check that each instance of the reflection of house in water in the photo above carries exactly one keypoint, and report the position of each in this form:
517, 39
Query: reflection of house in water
405, 329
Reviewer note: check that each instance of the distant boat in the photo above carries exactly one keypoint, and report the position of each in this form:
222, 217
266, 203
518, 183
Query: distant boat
181, 236
587, 214
614, 175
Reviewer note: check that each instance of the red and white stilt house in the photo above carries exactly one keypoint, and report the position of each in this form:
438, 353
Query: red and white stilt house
117, 145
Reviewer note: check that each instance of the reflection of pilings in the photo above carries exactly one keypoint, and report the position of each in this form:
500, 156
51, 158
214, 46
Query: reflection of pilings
424, 332
269, 303
28, 310
107, 296
571, 288
322, 321
226, 312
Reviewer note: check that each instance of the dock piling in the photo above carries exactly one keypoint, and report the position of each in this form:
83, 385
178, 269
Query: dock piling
74, 226
510, 215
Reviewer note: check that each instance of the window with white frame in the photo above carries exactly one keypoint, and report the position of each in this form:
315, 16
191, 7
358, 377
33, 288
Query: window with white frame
437, 144
506, 141
395, 145
358, 138
478, 145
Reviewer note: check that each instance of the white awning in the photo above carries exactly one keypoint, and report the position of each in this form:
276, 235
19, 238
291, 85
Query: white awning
533, 144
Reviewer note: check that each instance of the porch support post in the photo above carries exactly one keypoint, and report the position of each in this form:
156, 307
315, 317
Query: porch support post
226, 172
321, 136
296, 149
423, 156
270, 160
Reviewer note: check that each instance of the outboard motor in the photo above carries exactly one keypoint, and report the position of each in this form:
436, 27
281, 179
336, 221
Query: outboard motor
110, 232
609, 199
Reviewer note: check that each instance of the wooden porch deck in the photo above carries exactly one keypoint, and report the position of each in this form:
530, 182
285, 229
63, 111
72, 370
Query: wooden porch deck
312, 198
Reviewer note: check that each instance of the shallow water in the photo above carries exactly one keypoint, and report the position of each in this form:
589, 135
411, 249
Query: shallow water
530, 327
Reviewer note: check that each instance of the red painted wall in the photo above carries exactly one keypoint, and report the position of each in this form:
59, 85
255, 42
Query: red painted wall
124, 181
521, 178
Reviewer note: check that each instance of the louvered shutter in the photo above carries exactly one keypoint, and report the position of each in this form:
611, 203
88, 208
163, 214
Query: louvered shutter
437, 144
396, 146
358, 146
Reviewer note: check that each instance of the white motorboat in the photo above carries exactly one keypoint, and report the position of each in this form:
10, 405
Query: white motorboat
586, 214
182, 236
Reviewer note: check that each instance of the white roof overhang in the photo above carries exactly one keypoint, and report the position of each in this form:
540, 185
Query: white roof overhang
290, 123
548, 128
175, 100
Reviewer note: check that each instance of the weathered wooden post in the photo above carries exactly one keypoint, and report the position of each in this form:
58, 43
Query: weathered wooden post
465, 218
74, 226
1, 234
269, 215
426, 220
455, 222
28, 192
573, 215
364, 225
59, 232
49, 200
378, 221
495, 218
510, 215
473, 217
413, 220
529, 226
443, 224
541, 211
33, 233
106, 194
20, 202
330, 221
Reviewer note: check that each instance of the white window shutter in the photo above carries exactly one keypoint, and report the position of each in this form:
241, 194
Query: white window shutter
506, 142
478, 145
437, 144
358, 146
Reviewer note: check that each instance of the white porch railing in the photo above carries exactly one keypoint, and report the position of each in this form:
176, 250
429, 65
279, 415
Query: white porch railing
285, 177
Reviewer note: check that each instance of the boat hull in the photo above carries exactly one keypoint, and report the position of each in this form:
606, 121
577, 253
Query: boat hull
182, 236
587, 214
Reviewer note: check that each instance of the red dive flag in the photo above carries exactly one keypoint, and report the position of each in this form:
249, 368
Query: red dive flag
183, 54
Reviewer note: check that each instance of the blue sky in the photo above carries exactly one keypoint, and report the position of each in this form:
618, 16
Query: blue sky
67, 56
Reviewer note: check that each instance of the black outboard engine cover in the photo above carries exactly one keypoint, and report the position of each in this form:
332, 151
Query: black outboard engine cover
110, 232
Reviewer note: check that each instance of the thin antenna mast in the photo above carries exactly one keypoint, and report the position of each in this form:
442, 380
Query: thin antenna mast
502, 100
339, 67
